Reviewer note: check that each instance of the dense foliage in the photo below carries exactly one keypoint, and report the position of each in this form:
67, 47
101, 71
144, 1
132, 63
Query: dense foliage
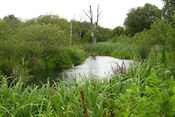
168, 9
118, 31
36, 45
140, 18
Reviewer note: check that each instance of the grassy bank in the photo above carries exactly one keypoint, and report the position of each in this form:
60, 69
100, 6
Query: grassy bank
145, 89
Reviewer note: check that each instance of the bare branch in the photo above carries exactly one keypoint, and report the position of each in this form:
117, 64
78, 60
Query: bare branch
86, 14
98, 14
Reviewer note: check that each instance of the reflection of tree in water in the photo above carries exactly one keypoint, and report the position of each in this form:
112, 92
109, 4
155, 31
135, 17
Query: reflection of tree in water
99, 66
92, 65
93, 57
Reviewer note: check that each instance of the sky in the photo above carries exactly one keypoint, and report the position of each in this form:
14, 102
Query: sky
113, 13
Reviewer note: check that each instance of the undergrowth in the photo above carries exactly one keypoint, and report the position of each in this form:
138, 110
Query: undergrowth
143, 89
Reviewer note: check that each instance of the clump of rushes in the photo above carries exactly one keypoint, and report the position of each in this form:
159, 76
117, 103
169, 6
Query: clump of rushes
144, 91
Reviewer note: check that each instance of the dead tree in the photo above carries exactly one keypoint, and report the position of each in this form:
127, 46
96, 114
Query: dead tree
81, 26
94, 25
70, 34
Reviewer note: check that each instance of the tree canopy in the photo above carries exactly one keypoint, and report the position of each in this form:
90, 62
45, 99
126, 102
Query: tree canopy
168, 9
141, 17
118, 31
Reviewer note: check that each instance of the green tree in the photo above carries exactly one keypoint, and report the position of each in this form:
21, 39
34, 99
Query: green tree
162, 34
45, 35
172, 41
103, 34
12, 21
168, 9
118, 31
50, 19
87, 36
141, 17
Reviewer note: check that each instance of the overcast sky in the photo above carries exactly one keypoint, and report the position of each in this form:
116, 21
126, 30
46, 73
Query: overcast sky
113, 11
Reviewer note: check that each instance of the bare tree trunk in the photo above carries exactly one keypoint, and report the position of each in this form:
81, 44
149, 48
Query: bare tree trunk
81, 26
95, 36
96, 25
93, 25
70, 34
80, 34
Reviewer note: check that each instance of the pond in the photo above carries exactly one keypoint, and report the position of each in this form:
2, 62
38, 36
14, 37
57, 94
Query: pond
99, 66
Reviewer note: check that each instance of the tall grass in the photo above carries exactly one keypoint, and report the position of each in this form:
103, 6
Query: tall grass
118, 50
142, 90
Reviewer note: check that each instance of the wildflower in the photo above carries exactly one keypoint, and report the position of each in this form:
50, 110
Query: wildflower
123, 67
116, 70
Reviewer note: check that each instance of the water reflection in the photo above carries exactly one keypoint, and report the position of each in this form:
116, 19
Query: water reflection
100, 66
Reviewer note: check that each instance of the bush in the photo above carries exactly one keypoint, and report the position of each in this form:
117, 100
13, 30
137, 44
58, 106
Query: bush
77, 56
7, 66
68, 56
36, 64
63, 60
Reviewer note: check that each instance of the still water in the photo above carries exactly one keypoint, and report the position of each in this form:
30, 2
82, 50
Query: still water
99, 66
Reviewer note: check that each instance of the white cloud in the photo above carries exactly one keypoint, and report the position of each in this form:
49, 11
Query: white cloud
113, 11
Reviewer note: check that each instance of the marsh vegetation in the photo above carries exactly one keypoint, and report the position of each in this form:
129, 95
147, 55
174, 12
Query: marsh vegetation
40, 45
